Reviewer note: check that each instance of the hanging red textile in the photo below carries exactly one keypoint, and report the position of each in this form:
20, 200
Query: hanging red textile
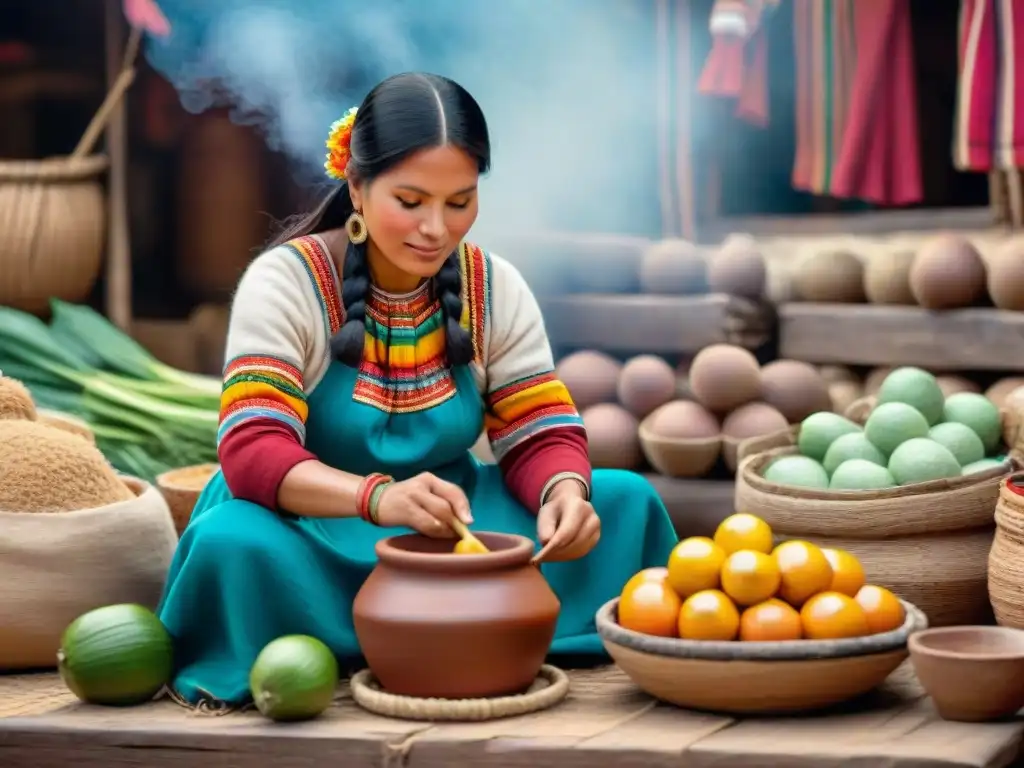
989, 130
737, 66
856, 109
880, 159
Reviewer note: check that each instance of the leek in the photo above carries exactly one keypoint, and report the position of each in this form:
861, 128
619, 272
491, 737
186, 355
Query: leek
147, 417
121, 353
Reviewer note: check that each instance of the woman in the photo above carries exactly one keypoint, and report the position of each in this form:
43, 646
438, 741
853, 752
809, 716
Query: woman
366, 352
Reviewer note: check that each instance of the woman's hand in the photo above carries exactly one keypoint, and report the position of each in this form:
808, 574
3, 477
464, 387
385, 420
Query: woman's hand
425, 503
567, 525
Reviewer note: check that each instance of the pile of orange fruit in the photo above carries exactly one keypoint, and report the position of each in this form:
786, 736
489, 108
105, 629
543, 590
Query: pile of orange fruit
740, 586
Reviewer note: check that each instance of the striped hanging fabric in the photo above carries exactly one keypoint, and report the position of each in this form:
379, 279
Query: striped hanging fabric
879, 160
737, 66
989, 131
675, 112
825, 54
856, 111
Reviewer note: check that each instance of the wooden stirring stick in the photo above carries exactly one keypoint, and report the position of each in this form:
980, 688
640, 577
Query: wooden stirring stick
472, 543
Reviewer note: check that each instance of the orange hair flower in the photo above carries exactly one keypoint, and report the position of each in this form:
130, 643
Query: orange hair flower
339, 145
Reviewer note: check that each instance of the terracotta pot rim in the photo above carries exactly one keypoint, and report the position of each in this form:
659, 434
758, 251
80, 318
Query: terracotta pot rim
508, 551
919, 646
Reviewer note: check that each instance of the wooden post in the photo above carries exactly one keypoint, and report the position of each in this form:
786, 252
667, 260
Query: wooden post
119, 263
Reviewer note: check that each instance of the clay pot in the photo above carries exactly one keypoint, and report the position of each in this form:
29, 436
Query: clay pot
436, 624
972, 673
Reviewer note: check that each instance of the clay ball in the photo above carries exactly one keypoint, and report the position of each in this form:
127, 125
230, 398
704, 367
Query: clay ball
674, 267
794, 389
951, 384
843, 394
590, 377
738, 268
753, 420
645, 383
874, 379
724, 377
612, 437
887, 278
832, 374
683, 420
1006, 276
997, 392
831, 277
948, 273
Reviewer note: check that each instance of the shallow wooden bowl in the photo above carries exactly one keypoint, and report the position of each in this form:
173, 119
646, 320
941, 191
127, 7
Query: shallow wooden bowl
972, 673
677, 457
182, 488
756, 677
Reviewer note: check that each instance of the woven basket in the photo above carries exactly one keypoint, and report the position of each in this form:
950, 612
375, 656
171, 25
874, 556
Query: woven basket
182, 489
52, 230
1006, 559
755, 677
927, 542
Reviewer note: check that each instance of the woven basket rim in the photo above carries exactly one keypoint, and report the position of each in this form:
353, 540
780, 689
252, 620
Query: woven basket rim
168, 480
647, 436
53, 169
792, 650
756, 481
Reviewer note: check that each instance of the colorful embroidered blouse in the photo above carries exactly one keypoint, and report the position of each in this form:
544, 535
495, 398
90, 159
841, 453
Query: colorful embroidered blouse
286, 310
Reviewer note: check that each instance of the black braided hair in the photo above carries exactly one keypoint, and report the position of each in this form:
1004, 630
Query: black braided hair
348, 343
448, 288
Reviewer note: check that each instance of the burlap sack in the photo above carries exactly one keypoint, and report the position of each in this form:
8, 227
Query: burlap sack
55, 567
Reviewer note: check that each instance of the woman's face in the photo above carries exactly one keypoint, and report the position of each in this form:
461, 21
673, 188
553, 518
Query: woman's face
418, 212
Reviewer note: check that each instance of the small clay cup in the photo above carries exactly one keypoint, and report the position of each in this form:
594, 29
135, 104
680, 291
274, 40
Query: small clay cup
435, 624
972, 673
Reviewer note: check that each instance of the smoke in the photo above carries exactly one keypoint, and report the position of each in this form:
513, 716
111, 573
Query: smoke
568, 88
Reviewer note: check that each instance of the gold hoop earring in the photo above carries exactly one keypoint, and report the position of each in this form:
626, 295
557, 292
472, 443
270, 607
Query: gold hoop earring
355, 228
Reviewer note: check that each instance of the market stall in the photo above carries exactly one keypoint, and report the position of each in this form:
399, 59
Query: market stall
605, 722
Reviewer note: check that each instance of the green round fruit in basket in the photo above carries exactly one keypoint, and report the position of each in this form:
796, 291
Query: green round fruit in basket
853, 445
860, 475
892, 424
916, 388
118, 655
977, 412
920, 460
293, 678
797, 470
819, 430
961, 440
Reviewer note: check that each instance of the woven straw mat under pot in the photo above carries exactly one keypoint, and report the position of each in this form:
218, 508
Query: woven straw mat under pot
928, 543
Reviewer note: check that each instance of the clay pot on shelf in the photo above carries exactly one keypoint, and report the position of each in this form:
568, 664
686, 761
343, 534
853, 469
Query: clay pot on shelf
435, 624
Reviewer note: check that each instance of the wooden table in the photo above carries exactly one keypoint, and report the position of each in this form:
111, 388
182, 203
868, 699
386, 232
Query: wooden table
864, 334
605, 723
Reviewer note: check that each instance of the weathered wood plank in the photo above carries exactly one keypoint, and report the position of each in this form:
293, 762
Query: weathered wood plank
657, 324
859, 334
695, 506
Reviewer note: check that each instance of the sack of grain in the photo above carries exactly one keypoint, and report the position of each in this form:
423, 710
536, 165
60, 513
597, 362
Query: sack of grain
55, 566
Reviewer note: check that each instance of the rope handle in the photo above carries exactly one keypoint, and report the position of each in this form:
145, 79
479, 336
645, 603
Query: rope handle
124, 80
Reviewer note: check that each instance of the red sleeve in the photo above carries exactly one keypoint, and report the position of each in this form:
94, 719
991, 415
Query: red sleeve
529, 466
256, 456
